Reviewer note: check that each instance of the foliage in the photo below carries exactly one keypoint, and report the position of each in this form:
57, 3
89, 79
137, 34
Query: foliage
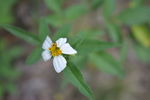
88, 40
6, 16
8, 74
73, 75
106, 63
87, 45
130, 16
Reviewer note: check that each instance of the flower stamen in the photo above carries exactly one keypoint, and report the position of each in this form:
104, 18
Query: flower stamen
55, 51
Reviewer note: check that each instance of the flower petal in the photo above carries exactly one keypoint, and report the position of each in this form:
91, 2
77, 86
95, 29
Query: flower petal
67, 49
46, 55
59, 63
47, 43
61, 42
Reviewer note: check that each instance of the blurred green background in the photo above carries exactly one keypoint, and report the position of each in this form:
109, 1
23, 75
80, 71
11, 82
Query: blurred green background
112, 38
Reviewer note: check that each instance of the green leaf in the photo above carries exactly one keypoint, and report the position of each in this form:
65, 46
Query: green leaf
88, 34
43, 29
34, 56
107, 63
11, 88
80, 60
142, 34
114, 31
89, 45
29, 37
75, 11
6, 16
62, 32
7, 71
123, 51
2, 45
136, 3
14, 52
97, 3
9, 4
142, 53
54, 5
56, 20
137, 15
2, 90
85, 35
75, 77
108, 7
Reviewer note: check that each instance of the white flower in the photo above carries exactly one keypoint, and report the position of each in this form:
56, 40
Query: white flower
56, 50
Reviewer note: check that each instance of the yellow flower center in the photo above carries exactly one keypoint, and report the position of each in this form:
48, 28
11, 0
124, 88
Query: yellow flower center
55, 51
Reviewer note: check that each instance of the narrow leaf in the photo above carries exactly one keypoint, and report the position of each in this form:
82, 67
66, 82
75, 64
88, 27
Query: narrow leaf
123, 52
75, 77
75, 11
97, 3
114, 31
136, 3
142, 34
108, 7
13, 53
137, 15
56, 20
54, 5
62, 32
94, 45
106, 63
29, 37
34, 56
6, 13
2, 90
142, 53
43, 29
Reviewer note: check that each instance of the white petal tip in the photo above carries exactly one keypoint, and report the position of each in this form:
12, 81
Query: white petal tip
61, 41
47, 43
46, 55
61, 68
75, 52
58, 71
59, 63
67, 49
